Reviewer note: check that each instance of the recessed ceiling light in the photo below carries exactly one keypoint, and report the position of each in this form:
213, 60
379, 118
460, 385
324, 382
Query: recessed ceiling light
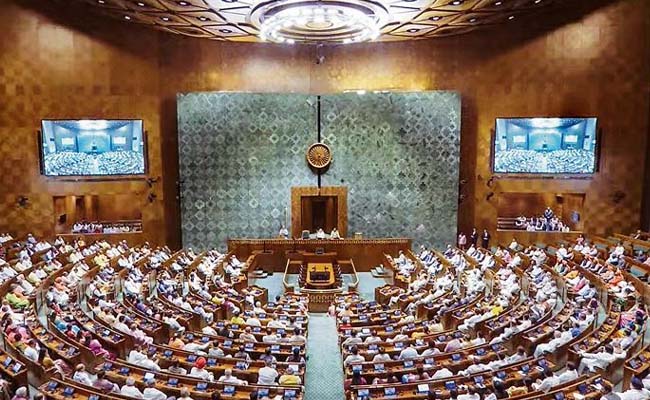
183, 3
126, 17
141, 4
456, 2
498, 3
202, 18
225, 31
165, 18
101, 1
435, 18
230, 1
538, 1
412, 30
472, 20
511, 17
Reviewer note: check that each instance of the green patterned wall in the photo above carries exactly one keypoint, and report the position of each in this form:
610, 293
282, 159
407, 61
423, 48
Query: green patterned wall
240, 154
398, 153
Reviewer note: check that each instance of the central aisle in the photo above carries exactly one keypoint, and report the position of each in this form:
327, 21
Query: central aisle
324, 377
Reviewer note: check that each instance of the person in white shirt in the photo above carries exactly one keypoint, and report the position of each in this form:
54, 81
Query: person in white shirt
569, 374
130, 390
546, 384
284, 232
431, 350
227, 377
152, 393
267, 374
297, 339
137, 357
380, 357
185, 394
636, 392
559, 338
82, 376
602, 359
335, 234
199, 371
408, 353
353, 340
373, 338
353, 358
247, 335
31, 350
472, 394
442, 373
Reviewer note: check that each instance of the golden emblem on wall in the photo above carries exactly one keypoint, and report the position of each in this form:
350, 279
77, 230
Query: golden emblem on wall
319, 156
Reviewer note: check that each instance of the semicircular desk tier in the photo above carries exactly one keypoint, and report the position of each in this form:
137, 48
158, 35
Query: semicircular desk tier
94, 320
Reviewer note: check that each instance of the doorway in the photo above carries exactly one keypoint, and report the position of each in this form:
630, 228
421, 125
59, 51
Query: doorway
319, 212
314, 208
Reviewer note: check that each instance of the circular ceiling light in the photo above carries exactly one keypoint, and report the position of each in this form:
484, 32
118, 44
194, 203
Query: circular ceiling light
333, 21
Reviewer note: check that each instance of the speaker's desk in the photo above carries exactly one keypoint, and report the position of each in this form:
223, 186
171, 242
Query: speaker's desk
366, 253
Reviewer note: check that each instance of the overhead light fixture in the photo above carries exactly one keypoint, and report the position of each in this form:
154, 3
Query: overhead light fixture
319, 21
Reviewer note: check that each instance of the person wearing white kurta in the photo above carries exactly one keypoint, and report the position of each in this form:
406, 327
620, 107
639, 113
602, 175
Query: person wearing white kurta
601, 360
130, 390
152, 393
558, 340
138, 358
636, 392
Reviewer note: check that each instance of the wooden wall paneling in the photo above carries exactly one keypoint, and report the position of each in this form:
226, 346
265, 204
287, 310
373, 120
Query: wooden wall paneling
587, 60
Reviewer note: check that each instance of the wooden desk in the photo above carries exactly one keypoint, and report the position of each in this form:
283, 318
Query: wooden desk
320, 275
366, 253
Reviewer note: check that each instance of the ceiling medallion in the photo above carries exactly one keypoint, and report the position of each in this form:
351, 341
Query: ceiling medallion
319, 156
319, 21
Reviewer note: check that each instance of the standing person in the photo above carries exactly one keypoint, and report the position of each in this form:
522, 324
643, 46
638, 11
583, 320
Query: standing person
548, 216
462, 241
485, 239
473, 238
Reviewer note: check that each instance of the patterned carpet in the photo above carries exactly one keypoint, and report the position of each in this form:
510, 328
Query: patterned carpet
368, 283
324, 377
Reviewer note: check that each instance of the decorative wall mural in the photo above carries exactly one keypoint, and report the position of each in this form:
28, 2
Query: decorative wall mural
240, 154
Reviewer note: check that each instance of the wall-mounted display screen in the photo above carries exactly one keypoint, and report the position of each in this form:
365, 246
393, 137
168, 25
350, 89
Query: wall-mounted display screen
92, 147
545, 146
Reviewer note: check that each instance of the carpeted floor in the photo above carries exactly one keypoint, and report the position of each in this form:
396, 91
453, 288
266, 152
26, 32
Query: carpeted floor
324, 377
368, 283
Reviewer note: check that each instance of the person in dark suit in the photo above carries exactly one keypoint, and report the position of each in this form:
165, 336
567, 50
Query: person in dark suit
485, 239
473, 238
548, 215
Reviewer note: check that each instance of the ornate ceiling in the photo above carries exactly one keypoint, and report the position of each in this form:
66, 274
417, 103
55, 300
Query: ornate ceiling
235, 20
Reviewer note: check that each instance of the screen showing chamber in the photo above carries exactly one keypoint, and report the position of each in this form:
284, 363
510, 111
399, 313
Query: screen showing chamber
92, 147
545, 146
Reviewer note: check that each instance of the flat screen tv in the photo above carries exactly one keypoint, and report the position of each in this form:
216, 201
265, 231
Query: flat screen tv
549, 146
92, 148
